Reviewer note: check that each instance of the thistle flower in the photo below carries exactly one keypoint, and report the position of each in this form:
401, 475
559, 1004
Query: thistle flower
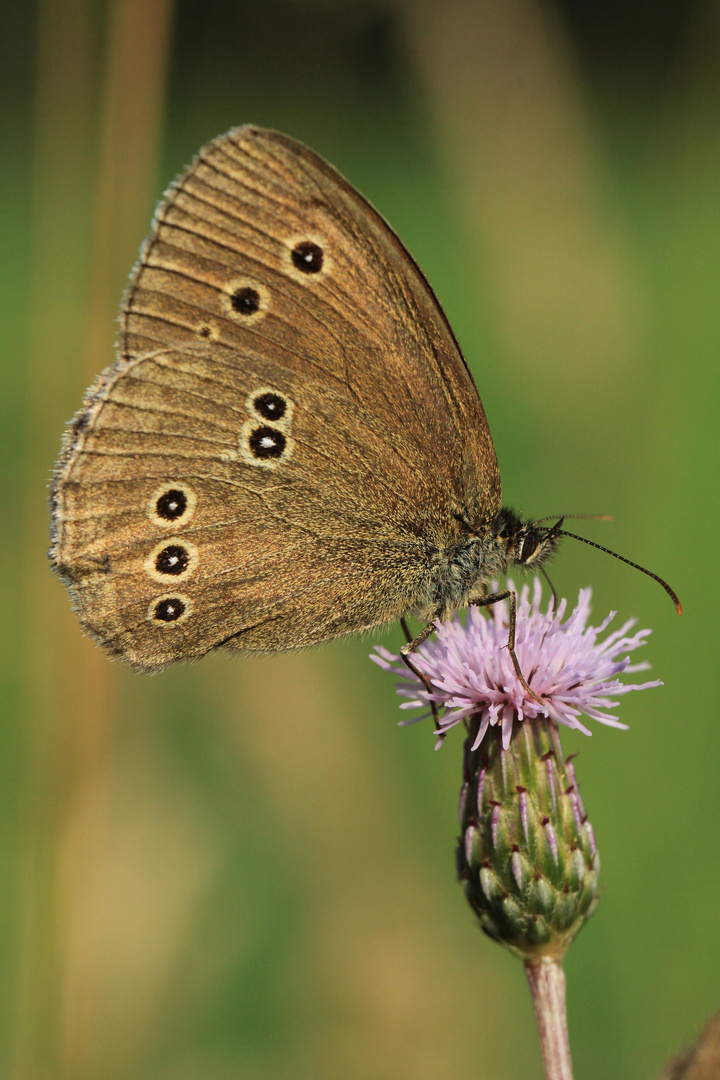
565, 664
526, 855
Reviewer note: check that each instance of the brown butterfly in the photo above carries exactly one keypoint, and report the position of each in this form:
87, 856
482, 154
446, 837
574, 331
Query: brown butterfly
289, 446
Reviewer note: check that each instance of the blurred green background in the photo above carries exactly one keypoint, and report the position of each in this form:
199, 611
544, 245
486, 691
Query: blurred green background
244, 868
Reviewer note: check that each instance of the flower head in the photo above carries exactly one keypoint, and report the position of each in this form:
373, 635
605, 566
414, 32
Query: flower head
566, 665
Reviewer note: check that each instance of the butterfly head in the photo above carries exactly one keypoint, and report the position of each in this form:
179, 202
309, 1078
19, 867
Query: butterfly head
527, 543
530, 544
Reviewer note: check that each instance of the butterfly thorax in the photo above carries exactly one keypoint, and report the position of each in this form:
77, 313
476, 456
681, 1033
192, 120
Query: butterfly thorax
461, 571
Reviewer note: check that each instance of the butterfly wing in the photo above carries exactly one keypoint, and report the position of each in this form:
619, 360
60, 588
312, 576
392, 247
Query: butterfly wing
288, 430
366, 321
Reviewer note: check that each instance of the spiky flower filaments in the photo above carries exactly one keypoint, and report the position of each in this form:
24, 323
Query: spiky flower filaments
566, 664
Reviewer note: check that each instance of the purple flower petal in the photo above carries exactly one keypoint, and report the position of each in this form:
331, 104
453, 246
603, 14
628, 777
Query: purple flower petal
471, 671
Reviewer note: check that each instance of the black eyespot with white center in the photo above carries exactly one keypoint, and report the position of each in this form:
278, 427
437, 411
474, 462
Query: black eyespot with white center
173, 560
246, 301
308, 257
171, 505
267, 442
168, 610
270, 406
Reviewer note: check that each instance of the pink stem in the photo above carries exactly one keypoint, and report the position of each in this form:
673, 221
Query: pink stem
547, 986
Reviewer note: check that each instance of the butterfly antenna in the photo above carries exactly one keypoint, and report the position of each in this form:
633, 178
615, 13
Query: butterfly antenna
671, 593
595, 517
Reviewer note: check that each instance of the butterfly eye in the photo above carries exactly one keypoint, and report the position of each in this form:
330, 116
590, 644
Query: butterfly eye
528, 548
308, 257
270, 406
267, 442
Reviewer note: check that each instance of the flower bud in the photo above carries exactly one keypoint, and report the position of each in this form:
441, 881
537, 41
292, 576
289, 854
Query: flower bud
526, 855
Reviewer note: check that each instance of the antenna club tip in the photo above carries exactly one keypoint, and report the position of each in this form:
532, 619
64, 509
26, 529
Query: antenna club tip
678, 605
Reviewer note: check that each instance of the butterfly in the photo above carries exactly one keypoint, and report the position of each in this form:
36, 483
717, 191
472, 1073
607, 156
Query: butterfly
289, 446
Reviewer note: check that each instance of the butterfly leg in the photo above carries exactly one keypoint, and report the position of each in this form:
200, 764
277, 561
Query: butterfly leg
509, 595
411, 646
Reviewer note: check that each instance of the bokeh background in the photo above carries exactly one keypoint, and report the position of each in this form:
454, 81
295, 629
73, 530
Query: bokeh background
243, 868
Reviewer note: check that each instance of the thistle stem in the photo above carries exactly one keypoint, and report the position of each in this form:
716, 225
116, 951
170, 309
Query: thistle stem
547, 986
